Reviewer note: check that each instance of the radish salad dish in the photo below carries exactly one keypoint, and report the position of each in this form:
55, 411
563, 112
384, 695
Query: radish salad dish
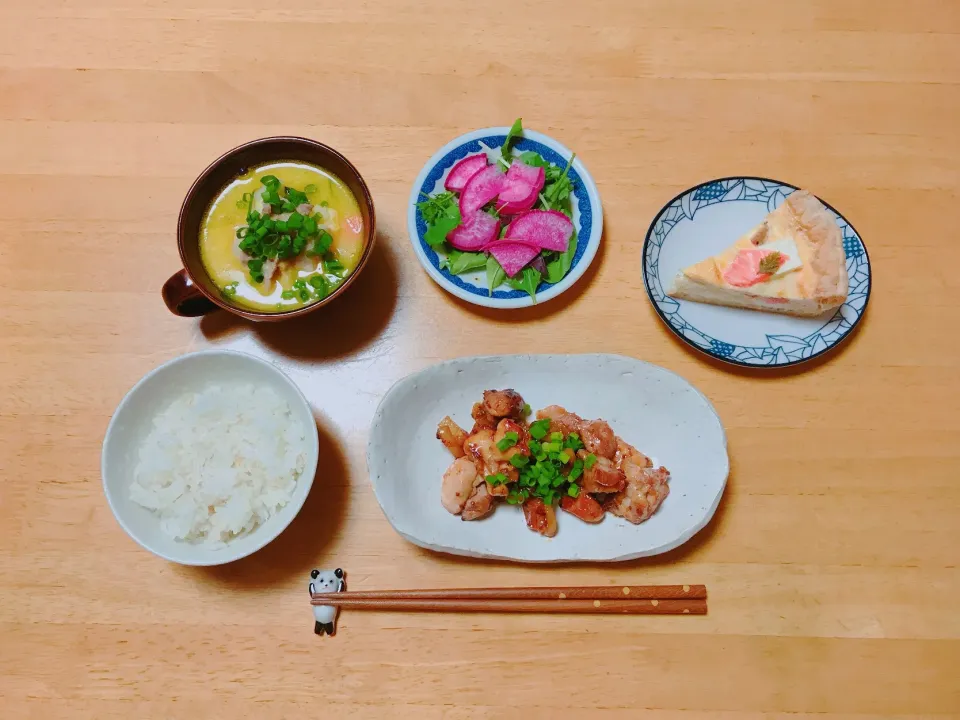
506, 213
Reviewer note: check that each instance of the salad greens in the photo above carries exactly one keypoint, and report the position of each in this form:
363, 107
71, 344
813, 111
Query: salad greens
556, 190
458, 262
441, 213
495, 274
550, 471
558, 268
527, 280
515, 130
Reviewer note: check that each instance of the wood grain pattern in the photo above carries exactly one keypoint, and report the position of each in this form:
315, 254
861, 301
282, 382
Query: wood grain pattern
832, 562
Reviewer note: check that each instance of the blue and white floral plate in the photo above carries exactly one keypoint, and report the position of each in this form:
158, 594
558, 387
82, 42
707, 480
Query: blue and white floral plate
706, 219
472, 287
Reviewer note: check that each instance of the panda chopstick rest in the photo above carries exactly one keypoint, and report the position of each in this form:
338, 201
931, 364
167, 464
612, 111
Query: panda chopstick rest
325, 616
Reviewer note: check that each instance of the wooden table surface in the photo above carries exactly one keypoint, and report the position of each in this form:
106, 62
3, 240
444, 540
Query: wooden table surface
832, 561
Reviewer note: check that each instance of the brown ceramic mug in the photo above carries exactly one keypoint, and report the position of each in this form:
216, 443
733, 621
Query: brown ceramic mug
191, 292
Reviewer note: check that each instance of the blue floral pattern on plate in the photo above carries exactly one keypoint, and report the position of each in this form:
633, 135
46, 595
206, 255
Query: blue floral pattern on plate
780, 349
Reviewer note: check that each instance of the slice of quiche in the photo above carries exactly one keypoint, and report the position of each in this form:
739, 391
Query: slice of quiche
792, 263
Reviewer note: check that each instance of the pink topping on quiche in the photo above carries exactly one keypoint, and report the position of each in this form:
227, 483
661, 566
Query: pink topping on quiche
745, 269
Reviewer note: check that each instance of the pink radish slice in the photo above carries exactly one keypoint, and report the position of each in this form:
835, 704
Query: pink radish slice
521, 181
513, 241
515, 208
483, 187
513, 257
464, 170
478, 230
550, 229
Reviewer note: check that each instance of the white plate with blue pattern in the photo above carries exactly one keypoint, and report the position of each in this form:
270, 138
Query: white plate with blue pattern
703, 221
472, 287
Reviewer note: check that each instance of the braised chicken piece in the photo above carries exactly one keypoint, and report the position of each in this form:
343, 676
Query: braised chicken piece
584, 506
561, 420
503, 403
503, 427
481, 446
598, 438
626, 451
540, 518
457, 485
602, 476
482, 419
452, 436
479, 504
646, 489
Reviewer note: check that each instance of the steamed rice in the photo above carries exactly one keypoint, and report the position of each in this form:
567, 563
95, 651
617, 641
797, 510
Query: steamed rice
218, 463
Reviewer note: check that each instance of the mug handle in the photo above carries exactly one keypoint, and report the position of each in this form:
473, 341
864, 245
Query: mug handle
183, 298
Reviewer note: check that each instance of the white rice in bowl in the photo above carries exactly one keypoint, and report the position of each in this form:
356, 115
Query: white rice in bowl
219, 463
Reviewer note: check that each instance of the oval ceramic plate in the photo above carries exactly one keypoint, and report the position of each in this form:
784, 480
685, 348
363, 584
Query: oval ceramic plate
704, 220
658, 412
472, 286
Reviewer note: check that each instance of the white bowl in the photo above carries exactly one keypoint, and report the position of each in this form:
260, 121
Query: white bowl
472, 287
133, 419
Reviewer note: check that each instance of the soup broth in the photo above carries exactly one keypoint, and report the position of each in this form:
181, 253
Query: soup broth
248, 249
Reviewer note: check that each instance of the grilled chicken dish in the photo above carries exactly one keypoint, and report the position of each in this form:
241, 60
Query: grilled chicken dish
557, 460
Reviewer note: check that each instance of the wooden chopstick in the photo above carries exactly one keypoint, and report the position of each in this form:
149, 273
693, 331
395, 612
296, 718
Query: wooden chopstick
671, 606
602, 592
620, 599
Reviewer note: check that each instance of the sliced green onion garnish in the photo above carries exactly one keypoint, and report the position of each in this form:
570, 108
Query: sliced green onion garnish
334, 267
590, 461
519, 461
498, 479
538, 430
509, 440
